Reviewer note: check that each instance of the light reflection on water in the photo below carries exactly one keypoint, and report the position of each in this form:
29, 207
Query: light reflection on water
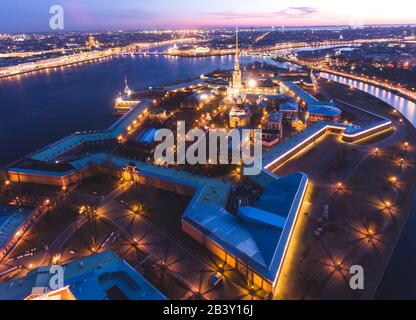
406, 107
41, 107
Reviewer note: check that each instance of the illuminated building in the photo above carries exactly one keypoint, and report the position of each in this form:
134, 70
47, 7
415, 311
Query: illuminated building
240, 114
289, 109
236, 85
198, 99
316, 110
125, 101
92, 43
264, 87
14, 222
102, 276
202, 50
272, 130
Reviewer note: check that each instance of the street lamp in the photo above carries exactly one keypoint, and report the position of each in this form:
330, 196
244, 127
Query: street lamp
338, 265
252, 83
370, 235
137, 208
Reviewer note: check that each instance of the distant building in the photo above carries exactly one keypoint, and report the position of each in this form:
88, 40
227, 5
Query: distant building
102, 276
125, 101
202, 50
92, 43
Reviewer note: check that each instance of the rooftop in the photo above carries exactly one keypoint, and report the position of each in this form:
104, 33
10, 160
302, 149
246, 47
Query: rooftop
326, 108
282, 149
257, 235
103, 276
184, 85
120, 126
11, 219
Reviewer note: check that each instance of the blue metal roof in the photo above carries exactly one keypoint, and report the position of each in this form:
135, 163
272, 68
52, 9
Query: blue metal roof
314, 106
259, 234
88, 278
11, 219
148, 136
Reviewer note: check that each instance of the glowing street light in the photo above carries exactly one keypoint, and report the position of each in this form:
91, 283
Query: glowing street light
338, 266
56, 258
252, 83
204, 96
136, 208
370, 235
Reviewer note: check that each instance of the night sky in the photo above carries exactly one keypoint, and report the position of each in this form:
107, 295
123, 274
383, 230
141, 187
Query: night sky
33, 15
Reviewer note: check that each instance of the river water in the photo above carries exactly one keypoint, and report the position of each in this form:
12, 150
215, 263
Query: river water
406, 107
39, 108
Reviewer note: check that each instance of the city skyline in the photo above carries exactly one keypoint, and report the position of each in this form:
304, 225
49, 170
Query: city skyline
91, 15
